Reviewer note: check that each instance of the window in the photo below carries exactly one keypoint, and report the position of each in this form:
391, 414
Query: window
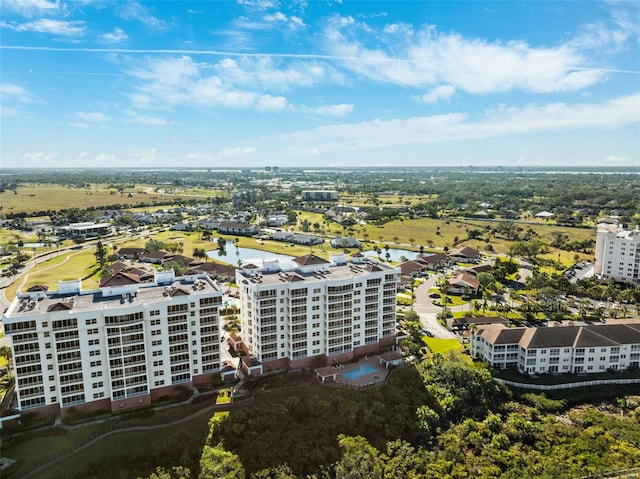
89, 322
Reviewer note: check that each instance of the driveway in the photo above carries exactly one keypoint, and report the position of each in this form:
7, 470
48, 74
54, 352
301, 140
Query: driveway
428, 312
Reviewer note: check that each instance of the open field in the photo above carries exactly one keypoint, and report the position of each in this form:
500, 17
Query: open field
443, 232
31, 198
389, 199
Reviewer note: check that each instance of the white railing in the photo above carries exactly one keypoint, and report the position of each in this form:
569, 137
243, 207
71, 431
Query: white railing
581, 384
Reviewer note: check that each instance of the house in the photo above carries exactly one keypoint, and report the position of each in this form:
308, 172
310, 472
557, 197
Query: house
177, 258
348, 242
463, 284
221, 272
466, 254
459, 324
559, 349
241, 229
410, 270
180, 227
153, 256
277, 220
433, 261
544, 215
307, 240
281, 236
130, 253
475, 270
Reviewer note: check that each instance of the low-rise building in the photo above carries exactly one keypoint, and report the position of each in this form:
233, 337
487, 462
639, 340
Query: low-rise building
241, 229
320, 195
346, 242
562, 349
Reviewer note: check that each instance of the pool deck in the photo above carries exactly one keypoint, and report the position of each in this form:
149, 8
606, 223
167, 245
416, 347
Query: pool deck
337, 377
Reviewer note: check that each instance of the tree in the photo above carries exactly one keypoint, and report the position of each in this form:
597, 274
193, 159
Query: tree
216, 463
462, 390
154, 245
5, 353
101, 254
176, 472
360, 460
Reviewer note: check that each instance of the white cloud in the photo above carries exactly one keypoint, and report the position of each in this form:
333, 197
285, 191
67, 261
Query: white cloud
10, 91
443, 92
274, 73
257, 4
238, 152
76, 124
333, 110
138, 12
38, 157
94, 117
180, 81
116, 36
45, 25
497, 123
292, 22
30, 8
472, 65
271, 103
105, 158
135, 117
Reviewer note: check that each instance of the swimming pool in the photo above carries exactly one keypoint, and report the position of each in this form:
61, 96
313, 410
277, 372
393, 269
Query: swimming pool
359, 371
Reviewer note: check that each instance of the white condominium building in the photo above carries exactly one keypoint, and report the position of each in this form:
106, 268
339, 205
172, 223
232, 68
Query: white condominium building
618, 253
114, 347
561, 349
312, 311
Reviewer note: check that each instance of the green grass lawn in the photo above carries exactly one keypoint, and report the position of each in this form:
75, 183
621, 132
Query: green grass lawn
442, 346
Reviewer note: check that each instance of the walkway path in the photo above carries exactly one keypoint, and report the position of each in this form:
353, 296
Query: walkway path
66, 454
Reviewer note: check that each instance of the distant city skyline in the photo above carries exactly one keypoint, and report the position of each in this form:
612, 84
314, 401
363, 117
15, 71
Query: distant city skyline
319, 84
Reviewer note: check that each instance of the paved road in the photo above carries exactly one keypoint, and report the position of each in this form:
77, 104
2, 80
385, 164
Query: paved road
428, 312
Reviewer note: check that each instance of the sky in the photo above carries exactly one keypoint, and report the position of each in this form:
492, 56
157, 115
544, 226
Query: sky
254, 83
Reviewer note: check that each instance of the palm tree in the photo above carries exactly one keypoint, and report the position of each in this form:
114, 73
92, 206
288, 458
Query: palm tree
5, 353
443, 286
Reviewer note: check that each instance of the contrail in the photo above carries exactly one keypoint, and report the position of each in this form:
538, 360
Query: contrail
220, 53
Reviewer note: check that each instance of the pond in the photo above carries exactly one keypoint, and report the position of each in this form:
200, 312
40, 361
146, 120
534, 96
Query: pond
33, 245
394, 254
244, 254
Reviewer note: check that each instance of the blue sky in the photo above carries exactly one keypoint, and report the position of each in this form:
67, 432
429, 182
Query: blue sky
319, 83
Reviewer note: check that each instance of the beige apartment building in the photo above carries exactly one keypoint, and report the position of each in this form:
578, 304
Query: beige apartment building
115, 347
310, 312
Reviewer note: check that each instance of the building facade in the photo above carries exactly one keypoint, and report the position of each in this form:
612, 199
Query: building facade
562, 349
314, 312
113, 347
320, 195
618, 253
